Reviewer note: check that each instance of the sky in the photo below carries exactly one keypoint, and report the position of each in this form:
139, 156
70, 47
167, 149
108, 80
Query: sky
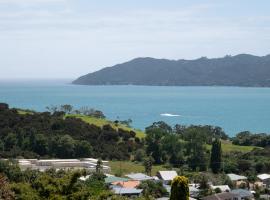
70, 38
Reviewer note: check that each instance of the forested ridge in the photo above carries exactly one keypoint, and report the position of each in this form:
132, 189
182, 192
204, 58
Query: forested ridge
239, 70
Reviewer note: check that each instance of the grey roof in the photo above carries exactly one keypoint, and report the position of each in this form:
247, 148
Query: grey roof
112, 179
224, 195
193, 189
235, 177
139, 176
242, 193
121, 190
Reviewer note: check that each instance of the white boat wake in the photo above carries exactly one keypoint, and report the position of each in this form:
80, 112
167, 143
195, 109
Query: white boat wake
169, 115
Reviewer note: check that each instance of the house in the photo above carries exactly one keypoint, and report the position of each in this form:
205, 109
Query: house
127, 184
265, 178
222, 196
238, 180
193, 191
112, 179
139, 177
235, 177
223, 188
129, 192
242, 194
166, 176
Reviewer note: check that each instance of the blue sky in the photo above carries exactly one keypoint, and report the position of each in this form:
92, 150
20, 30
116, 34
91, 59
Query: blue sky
69, 38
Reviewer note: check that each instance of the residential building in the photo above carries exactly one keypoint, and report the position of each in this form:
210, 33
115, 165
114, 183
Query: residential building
166, 176
243, 194
129, 192
139, 177
222, 196
223, 188
265, 178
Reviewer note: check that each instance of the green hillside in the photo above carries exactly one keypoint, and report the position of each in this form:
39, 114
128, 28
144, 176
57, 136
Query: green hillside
101, 122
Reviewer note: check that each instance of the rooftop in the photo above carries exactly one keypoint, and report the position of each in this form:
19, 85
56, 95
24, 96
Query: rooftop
264, 176
242, 193
139, 176
235, 177
112, 179
223, 188
120, 190
224, 195
127, 184
167, 175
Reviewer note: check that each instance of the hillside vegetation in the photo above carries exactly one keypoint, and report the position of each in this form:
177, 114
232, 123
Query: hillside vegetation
34, 135
100, 122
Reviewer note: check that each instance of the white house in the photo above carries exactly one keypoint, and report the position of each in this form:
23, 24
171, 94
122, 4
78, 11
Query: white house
223, 188
265, 178
166, 176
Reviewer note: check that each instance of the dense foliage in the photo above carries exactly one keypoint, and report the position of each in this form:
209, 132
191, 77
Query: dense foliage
181, 145
152, 188
53, 135
247, 138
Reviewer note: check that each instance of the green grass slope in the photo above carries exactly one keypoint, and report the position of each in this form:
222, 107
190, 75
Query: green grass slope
101, 122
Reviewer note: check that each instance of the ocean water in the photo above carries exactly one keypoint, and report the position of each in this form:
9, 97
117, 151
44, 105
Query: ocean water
234, 109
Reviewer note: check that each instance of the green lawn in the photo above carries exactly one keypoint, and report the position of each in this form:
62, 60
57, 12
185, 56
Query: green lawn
101, 122
228, 147
126, 167
24, 112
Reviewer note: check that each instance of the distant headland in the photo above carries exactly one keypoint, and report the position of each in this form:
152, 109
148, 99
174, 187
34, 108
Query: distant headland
240, 70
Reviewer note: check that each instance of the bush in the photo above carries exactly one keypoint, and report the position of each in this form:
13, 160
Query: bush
180, 189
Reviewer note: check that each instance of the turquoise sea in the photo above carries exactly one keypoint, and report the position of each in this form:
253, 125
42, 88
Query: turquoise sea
235, 109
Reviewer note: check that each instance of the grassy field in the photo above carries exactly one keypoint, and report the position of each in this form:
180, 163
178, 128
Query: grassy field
102, 122
24, 112
126, 167
227, 146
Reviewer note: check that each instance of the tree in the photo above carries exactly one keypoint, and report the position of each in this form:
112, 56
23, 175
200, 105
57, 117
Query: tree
155, 189
160, 125
153, 141
5, 191
66, 108
179, 189
196, 150
148, 162
66, 145
139, 155
99, 166
215, 160
83, 149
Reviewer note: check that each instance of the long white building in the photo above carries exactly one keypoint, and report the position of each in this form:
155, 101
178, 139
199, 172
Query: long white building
42, 165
